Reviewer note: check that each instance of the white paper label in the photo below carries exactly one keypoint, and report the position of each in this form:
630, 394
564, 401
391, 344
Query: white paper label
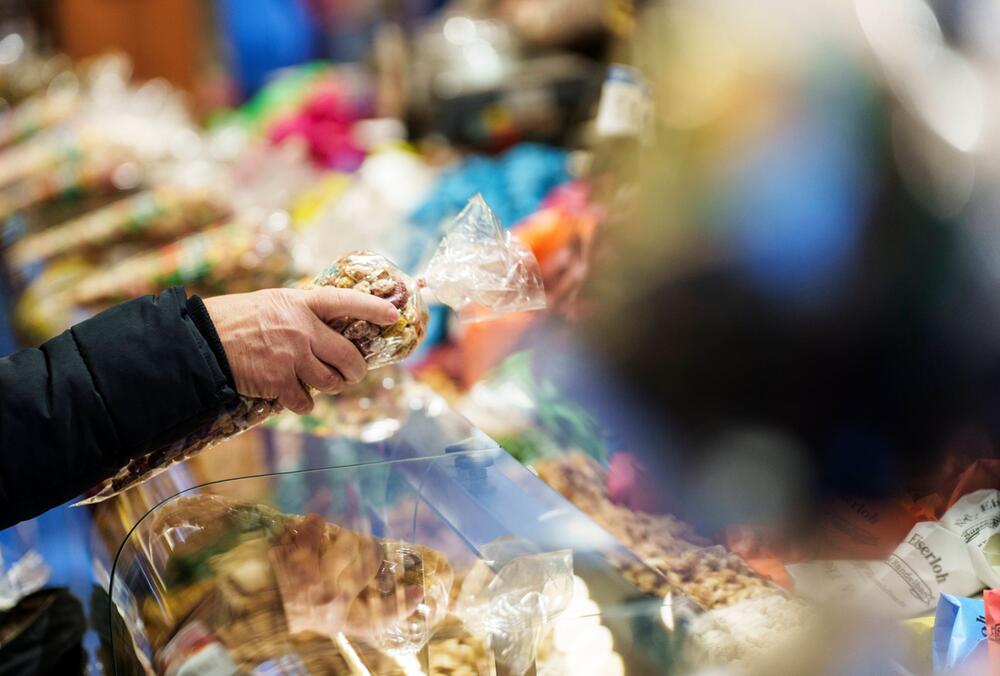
934, 557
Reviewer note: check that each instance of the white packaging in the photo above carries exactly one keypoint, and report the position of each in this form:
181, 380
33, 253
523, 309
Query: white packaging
930, 560
976, 519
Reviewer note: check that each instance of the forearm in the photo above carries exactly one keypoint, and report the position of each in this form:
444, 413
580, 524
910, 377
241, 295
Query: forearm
111, 388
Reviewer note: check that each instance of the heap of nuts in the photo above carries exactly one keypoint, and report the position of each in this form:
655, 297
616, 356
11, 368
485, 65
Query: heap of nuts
459, 653
687, 564
373, 274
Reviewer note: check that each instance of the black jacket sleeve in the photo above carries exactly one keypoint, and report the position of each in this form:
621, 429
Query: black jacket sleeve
111, 388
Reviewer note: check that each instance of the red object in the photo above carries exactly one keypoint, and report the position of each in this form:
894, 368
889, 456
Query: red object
983, 473
991, 598
326, 122
629, 484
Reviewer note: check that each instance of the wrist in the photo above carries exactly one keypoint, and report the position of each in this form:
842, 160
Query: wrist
199, 313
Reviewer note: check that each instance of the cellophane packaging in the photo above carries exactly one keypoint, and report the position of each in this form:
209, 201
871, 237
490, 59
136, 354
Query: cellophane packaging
478, 270
950, 556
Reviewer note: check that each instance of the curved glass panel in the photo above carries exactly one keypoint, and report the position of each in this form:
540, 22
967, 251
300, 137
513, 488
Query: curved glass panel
460, 562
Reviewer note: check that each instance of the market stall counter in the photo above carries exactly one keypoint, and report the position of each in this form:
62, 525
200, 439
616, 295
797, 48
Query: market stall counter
430, 550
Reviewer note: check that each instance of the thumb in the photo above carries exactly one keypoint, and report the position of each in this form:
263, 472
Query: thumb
330, 304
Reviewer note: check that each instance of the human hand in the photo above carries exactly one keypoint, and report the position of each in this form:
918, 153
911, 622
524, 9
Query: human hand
277, 341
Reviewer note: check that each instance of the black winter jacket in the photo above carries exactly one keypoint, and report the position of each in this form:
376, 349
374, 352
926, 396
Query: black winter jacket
113, 387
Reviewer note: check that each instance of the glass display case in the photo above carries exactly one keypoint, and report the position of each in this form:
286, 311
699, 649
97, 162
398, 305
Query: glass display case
425, 549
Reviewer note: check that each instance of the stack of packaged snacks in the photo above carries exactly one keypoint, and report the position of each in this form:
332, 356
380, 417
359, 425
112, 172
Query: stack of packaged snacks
149, 217
41, 111
238, 256
235, 257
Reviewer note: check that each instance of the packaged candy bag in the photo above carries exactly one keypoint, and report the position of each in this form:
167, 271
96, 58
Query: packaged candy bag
959, 632
478, 270
512, 596
951, 556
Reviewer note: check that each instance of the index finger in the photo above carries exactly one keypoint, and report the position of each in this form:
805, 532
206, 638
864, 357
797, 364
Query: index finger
330, 304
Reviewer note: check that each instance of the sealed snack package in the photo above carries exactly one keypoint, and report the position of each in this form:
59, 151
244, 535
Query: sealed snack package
332, 580
976, 518
151, 216
512, 596
950, 556
959, 632
478, 270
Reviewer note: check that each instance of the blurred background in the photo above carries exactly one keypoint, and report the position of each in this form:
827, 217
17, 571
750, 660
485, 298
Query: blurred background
761, 406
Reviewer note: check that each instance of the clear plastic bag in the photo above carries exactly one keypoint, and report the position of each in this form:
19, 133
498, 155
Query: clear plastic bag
478, 270
264, 576
512, 608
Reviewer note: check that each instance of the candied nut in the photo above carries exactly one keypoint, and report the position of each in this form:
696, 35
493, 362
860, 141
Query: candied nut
360, 330
383, 288
363, 286
356, 271
400, 295
343, 282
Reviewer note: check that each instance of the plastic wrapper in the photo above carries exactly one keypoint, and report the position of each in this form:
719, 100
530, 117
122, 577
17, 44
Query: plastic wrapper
235, 257
238, 256
959, 632
257, 581
40, 112
934, 558
976, 518
52, 91
150, 216
64, 175
392, 594
512, 597
371, 411
478, 270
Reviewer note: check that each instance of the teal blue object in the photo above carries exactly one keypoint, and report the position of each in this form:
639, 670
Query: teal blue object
513, 184
959, 631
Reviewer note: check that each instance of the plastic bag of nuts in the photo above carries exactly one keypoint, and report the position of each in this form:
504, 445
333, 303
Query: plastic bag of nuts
478, 270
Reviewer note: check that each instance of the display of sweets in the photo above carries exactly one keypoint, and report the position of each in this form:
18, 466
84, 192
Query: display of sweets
237, 256
678, 560
151, 216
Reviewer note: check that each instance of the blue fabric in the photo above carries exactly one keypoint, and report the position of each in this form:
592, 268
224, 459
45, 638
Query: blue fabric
513, 184
266, 35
